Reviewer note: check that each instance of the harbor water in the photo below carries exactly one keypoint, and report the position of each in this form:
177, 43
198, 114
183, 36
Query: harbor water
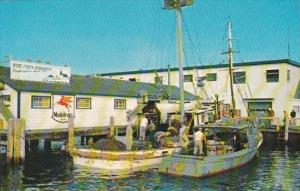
276, 167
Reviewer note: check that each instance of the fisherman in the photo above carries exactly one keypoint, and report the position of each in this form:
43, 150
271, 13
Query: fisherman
183, 136
293, 116
271, 115
159, 135
129, 136
198, 142
143, 127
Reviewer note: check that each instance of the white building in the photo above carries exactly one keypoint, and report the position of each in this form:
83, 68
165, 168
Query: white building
46, 105
257, 85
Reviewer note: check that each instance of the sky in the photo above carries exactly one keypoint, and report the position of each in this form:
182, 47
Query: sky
100, 36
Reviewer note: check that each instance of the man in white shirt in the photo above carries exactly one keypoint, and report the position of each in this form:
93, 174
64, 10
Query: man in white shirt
183, 136
198, 144
143, 127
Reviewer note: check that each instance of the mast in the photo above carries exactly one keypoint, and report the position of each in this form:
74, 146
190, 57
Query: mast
230, 53
177, 4
180, 65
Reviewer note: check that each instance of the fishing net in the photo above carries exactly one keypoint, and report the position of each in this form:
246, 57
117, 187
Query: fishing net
109, 144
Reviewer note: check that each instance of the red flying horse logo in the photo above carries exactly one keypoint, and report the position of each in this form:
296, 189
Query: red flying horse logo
65, 101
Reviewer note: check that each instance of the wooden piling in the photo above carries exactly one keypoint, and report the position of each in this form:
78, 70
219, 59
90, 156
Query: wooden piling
286, 126
22, 140
112, 127
15, 141
71, 136
10, 141
47, 145
18, 141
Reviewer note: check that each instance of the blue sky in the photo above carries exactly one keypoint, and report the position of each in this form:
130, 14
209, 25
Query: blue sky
120, 35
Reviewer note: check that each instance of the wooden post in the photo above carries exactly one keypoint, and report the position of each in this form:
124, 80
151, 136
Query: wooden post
22, 140
286, 126
10, 141
112, 127
71, 136
19, 141
47, 145
277, 124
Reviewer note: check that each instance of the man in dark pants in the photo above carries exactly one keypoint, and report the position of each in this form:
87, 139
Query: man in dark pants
293, 116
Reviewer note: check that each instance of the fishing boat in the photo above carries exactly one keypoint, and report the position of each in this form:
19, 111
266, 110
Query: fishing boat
221, 155
112, 158
237, 139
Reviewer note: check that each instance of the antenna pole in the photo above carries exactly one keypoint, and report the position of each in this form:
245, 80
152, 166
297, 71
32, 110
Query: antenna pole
169, 83
230, 53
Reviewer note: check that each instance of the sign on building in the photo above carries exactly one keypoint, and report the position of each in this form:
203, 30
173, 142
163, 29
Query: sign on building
30, 71
63, 108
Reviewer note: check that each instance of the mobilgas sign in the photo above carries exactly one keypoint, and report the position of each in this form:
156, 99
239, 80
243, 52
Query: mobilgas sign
29, 71
63, 108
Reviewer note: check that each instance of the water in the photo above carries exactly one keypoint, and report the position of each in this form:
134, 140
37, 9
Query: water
276, 167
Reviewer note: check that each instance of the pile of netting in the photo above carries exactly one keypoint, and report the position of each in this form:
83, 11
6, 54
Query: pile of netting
109, 144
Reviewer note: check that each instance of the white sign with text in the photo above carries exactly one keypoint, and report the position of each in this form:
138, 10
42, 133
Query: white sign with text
30, 71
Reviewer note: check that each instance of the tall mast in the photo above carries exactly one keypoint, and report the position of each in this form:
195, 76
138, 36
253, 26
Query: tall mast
180, 65
230, 53
177, 4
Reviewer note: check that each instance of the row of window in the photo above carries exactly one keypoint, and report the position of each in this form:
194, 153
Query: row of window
44, 102
186, 78
238, 77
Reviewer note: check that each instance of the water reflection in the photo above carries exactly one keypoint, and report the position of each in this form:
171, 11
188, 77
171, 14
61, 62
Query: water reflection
277, 167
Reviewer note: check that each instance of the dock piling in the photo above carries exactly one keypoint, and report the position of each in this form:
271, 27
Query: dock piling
71, 136
112, 127
286, 127
10, 141
15, 141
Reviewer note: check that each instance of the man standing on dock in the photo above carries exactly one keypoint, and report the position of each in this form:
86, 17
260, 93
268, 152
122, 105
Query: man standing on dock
293, 116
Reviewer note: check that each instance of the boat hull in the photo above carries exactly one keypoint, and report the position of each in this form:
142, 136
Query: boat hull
123, 163
197, 166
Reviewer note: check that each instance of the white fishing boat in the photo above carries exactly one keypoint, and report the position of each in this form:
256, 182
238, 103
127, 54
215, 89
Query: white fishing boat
224, 153
120, 161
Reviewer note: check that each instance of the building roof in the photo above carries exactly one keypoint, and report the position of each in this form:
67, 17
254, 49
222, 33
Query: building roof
86, 85
266, 62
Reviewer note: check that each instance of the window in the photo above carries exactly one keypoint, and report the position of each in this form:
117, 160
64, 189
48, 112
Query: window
288, 76
41, 102
158, 79
211, 77
272, 75
120, 103
297, 108
83, 103
259, 106
239, 77
188, 78
132, 79
5, 98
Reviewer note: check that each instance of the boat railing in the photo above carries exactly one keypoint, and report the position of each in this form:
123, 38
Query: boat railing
294, 123
269, 122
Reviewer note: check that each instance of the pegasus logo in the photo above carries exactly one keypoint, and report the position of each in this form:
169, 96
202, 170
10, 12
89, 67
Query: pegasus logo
65, 101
